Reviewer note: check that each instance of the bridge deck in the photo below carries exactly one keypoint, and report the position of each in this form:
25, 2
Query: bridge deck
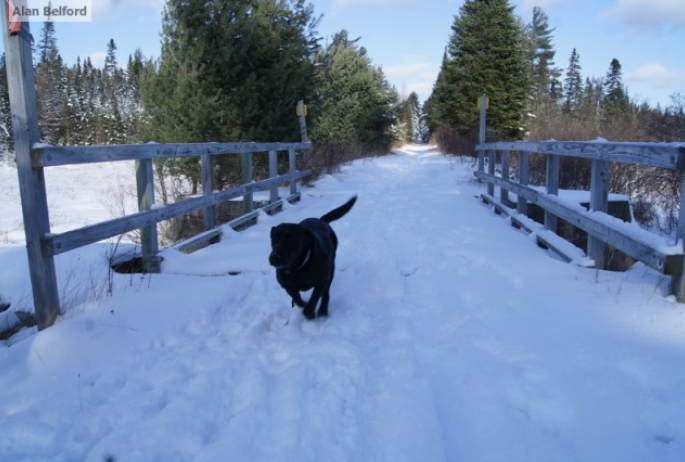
452, 336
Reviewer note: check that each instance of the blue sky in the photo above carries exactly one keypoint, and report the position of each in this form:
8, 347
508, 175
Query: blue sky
407, 37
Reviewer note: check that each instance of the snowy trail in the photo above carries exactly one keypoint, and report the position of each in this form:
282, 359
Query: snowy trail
451, 337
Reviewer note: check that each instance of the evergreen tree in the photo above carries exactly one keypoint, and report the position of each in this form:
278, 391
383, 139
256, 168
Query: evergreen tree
50, 86
230, 71
433, 107
573, 84
354, 107
615, 96
410, 119
546, 83
486, 55
6, 136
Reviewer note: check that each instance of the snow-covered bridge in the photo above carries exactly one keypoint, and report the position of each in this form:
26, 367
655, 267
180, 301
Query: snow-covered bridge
451, 337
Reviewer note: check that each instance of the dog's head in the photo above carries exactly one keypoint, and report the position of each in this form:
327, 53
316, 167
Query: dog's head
289, 246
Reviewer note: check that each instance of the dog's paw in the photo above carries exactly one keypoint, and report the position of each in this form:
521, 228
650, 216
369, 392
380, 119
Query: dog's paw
309, 314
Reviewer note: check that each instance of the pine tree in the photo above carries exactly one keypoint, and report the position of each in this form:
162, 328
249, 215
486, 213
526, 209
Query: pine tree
434, 105
573, 83
546, 85
50, 86
6, 141
355, 105
615, 96
230, 71
486, 55
409, 119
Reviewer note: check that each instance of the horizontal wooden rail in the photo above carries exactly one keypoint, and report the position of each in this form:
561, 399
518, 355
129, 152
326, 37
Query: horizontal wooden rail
666, 155
642, 245
49, 156
55, 244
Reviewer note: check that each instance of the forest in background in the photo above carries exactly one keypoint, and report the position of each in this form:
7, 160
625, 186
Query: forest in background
235, 71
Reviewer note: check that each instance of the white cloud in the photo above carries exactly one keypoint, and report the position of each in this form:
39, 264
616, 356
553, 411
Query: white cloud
544, 4
658, 75
98, 59
103, 9
341, 5
413, 74
641, 15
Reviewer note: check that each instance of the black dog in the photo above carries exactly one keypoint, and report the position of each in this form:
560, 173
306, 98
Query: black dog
304, 257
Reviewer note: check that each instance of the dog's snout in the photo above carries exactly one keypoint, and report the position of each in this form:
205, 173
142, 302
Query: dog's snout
275, 259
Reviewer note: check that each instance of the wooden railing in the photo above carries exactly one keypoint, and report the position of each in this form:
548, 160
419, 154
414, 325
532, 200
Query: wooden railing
32, 158
149, 214
653, 250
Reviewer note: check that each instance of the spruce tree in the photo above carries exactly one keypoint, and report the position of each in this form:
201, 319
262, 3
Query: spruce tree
615, 95
573, 84
546, 83
230, 71
486, 55
6, 141
50, 86
355, 105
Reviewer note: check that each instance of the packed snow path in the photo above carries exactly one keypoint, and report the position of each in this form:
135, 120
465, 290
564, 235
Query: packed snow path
451, 337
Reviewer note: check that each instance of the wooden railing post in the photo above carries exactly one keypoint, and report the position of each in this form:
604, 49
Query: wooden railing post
273, 172
248, 203
481, 133
208, 185
292, 166
302, 114
503, 193
22, 94
146, 199
492, 159
522, 206
552, 185
678, 282
599, 202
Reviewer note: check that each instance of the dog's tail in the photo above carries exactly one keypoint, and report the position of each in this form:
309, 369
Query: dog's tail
340, 211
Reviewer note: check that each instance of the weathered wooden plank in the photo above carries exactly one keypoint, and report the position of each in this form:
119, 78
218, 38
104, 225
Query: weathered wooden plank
45, 156
273, 172
561, 247
678, 270
503, 193
667, 155
60, 243
292, 165
302, 113
552, 185
21, 85
202, 238
599, 202
208, 184
544, 237
197, 240
481, 131
146, 199
524, 172
248, 202
594, 223
492, 160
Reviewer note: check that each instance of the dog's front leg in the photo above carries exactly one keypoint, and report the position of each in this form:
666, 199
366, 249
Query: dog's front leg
309, 310
323, 308
297, 298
